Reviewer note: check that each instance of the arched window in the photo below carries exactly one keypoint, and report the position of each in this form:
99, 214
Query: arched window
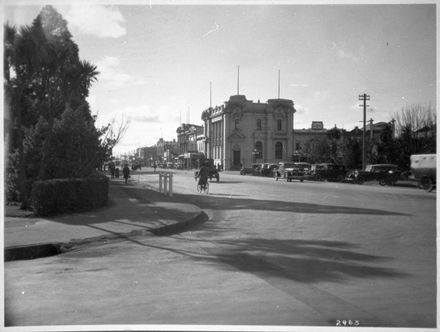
279, 150
259, 149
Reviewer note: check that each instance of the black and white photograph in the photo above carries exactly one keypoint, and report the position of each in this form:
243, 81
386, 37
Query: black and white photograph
219, 165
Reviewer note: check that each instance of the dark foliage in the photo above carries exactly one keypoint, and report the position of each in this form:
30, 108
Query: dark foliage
56, 196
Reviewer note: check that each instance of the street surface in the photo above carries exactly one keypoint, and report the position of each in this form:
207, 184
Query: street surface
273, 253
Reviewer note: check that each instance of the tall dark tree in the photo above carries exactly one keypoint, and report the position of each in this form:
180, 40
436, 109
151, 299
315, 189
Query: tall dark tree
51, 130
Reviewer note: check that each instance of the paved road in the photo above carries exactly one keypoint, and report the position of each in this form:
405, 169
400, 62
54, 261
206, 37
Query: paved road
273, 253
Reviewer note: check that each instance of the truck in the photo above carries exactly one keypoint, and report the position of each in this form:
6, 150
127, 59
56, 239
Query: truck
424, 169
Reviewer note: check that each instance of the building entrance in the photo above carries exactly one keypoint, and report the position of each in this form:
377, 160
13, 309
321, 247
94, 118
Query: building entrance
236, 159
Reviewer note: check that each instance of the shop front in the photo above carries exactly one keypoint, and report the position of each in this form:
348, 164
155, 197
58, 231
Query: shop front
191, 159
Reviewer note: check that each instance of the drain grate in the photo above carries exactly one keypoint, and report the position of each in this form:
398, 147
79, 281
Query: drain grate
32, 251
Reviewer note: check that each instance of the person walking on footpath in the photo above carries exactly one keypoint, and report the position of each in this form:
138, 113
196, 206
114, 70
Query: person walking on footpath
126, 172
154, 166
111, 167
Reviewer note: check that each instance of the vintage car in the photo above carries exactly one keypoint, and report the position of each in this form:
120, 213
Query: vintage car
254, 169
267, 169
423, 170
297, 171
327, 171
352, 176
384, 173
284, 167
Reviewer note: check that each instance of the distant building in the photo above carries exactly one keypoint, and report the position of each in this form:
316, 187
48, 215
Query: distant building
166, 150
305, 137
147, 155
242, 132
188, 139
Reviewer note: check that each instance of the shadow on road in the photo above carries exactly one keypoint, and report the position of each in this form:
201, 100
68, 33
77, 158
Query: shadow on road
233, 203
307, 261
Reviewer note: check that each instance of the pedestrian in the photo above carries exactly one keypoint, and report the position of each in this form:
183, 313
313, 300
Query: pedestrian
154, 166
279, 172
126, 173
111, 167
117, 172
275, 173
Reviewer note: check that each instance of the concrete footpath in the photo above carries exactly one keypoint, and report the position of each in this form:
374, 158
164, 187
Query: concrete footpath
132, 210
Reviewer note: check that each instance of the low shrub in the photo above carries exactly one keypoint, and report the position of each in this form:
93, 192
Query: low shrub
56, 196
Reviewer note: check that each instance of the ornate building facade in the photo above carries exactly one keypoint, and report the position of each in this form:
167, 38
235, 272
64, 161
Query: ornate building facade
242, 132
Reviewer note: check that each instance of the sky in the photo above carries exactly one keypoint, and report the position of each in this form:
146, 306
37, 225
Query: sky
157, 62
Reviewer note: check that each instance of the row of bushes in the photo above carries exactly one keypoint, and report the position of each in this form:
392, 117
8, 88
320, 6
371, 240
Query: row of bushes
69, 195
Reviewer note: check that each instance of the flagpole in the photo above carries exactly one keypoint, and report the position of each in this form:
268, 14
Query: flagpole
279, 74
238, 81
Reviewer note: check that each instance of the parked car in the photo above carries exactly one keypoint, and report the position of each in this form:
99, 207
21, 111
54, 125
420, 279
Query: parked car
268, 169
352, 176
298, 171
285, 167
136, 165
327, 171
423, 170
254, 169
384, 173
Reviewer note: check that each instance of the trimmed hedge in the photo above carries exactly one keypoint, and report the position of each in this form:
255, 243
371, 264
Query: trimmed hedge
56, 196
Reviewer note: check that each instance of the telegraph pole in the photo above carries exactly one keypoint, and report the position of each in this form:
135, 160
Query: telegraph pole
364, 98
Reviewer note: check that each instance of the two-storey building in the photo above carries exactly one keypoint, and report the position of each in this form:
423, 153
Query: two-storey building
242, 132
166, 150
188, 139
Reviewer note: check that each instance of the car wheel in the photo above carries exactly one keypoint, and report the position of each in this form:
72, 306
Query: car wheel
427, 184
382, 182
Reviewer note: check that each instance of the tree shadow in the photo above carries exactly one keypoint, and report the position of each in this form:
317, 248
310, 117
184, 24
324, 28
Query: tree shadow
307, 261
215, 202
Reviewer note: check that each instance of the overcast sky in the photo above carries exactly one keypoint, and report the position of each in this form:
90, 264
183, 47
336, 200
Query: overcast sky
156, 62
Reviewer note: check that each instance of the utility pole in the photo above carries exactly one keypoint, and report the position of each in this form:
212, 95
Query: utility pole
364, 98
